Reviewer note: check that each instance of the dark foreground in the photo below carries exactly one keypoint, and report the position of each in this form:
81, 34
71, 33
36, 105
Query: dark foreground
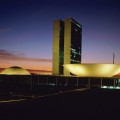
97, 104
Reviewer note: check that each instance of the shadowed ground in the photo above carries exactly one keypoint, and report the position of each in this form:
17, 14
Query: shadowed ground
89, 104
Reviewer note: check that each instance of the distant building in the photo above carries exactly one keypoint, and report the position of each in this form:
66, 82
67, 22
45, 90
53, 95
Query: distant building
67, 42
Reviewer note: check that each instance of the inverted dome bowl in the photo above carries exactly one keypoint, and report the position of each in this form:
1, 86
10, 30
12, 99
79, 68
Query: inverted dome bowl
93, 70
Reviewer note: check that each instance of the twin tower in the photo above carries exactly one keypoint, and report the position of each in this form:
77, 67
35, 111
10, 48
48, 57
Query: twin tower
67, 43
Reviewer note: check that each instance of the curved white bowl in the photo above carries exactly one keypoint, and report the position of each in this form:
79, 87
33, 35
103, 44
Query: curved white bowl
93, 70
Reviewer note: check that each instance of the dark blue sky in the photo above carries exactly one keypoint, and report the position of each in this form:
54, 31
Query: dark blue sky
26, 30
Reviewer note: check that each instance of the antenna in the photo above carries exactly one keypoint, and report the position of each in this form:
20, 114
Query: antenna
113, 58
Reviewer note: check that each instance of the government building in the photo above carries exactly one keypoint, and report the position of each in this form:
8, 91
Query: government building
67, 71
67, 42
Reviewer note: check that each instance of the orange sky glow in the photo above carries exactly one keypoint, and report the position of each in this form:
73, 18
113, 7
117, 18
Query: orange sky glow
8, 59
28, 65
34, 65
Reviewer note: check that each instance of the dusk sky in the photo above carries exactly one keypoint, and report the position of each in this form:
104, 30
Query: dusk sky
26, 30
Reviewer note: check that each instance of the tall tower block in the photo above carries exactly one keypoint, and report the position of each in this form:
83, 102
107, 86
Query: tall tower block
67, 41
58, 47
72, 43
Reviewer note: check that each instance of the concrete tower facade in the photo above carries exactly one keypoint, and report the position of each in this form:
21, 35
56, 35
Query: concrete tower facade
67, 41
58, 47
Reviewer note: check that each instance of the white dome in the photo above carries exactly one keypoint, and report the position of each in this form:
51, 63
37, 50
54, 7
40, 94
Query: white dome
15, 70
